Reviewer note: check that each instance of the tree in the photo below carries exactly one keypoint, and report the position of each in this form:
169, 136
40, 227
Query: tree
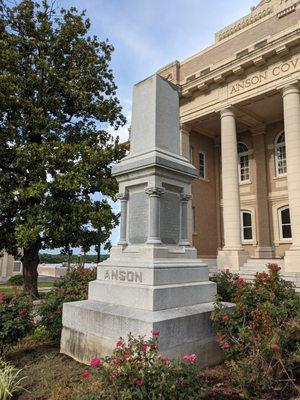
57, 100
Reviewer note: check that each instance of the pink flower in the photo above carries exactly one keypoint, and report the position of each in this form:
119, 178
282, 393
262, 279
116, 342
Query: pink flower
226, 346
165, 359
118, 344
274, 267
255, 339
227, 271
155, 333
95, 362
190, 357
114, 375
225, 318
86, 374
139, 382
116, 361
144, 348
21, 312
2, 295
127, 357
241, 280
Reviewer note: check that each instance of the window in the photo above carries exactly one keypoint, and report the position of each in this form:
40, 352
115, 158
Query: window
202, 172
244, 166
280, 155
285, 223
247, 233
17, 267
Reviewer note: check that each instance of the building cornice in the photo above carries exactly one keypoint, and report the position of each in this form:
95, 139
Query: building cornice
276, 46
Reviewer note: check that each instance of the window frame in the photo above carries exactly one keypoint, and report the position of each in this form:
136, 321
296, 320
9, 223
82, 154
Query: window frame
280, 210
202, 153
276, 147
240, 155
243, 227
20, 270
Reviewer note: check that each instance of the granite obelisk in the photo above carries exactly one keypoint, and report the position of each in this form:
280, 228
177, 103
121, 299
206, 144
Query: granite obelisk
153, 279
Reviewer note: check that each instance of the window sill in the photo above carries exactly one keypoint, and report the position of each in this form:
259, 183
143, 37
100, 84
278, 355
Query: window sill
245, 183
249, 242
278, 177
285, 241
205, 180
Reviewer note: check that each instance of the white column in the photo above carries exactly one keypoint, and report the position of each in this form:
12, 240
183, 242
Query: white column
123, 197
185, 141
232, 255
154, 214
291, 107
184, 199
4, 266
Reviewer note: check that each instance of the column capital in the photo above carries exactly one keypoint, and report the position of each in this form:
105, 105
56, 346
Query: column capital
185, 197
185, 128
227, 112
122, 196
292, 88
154, 191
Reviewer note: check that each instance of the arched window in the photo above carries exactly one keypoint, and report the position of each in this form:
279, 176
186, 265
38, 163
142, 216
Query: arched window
285, 223
247, 228
280, 155
244, 167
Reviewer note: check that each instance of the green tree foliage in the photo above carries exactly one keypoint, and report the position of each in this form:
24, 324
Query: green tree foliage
57, 99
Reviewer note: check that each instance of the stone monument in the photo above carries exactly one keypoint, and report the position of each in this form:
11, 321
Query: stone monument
153, 279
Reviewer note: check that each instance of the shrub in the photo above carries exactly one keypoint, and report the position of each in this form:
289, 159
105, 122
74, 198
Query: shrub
72, 287
136, 371
16, 319
10, 381
227, 284
260, 336
17, 280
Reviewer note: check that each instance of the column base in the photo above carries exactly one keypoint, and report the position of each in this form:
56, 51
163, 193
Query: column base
232, 259
292, 260
264, 252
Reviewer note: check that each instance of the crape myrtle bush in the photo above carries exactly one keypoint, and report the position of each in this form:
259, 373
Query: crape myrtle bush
136, 371
72, 287
260, 336
16, 319
227, 284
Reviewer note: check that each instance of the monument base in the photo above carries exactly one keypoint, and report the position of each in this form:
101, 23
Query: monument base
91, 328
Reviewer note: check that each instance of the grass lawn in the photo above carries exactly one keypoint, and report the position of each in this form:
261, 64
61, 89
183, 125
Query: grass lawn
9, 290
53, 376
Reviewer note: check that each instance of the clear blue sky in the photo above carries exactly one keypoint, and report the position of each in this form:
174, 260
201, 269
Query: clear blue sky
148, 34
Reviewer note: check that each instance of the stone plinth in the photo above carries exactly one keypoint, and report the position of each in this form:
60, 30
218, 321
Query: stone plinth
153, 279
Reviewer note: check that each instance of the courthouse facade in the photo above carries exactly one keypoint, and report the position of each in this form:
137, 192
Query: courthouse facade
240, 127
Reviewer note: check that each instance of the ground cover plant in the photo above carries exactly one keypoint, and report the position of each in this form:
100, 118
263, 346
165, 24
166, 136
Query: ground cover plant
261, 335
10, 380
137, 371
72, 287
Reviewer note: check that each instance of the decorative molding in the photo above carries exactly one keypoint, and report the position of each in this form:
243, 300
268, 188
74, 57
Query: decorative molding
154, 191
185, 197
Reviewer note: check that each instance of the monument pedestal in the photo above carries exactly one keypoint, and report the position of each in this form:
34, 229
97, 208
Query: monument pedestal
153, 279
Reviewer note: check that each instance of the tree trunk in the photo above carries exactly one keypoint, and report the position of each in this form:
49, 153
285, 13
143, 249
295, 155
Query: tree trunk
30, 261
98, 253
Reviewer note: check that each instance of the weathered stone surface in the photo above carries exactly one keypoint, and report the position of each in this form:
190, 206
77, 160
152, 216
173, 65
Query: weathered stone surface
138, 211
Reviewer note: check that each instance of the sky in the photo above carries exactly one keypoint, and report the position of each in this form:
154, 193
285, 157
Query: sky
148, 34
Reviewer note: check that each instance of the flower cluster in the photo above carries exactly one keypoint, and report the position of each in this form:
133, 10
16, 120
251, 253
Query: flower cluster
257, 334
72, 287
16, 319
137, 368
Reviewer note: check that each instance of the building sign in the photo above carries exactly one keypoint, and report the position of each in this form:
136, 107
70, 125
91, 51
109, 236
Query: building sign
259, 78
123, 276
